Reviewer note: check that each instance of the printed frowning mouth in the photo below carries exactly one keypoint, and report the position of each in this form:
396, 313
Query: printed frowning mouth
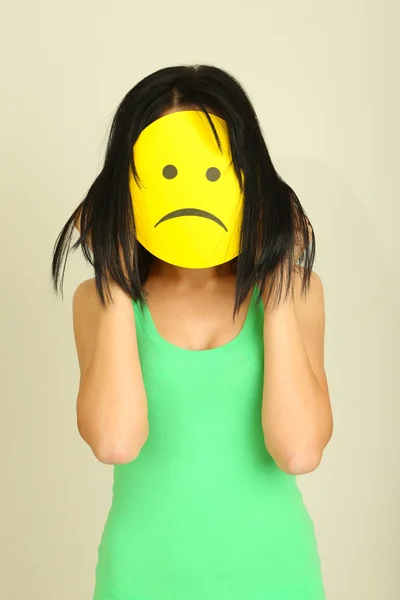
191, 212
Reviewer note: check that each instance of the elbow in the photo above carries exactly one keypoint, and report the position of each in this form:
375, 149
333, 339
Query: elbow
297, 462
301, 464
116, 454
113, 449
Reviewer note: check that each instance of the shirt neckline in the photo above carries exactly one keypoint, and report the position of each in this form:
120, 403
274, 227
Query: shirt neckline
144, 318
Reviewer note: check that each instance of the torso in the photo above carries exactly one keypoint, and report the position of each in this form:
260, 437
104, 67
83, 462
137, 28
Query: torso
204, 513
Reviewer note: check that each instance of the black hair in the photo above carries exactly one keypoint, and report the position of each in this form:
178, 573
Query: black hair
274, 223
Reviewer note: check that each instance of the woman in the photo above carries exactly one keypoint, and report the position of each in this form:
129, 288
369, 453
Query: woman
200, 345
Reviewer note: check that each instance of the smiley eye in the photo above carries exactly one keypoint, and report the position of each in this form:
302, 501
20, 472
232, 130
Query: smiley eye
213, 174
169, 171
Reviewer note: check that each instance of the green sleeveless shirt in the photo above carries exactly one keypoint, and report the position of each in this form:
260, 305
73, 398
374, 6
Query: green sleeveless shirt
204, 513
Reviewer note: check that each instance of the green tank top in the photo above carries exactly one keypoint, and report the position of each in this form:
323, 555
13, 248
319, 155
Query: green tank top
204, 513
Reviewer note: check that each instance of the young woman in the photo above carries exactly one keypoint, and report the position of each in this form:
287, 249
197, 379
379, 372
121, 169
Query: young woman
201, 350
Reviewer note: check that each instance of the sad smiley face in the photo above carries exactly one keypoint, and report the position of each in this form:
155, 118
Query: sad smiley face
187, 201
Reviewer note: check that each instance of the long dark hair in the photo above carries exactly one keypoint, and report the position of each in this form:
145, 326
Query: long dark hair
274, 222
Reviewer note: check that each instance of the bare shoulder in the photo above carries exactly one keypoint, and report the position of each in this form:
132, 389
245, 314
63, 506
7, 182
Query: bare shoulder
85, 295
86, 310
317, 281
85, 302
315, 294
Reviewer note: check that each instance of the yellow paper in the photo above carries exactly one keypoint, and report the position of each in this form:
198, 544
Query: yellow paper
188, 204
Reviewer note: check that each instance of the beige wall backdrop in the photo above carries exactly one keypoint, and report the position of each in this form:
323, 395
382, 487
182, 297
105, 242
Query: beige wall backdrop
322, 76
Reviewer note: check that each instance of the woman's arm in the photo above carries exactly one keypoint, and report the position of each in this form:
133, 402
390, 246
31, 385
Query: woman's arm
296, 412
111, 403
